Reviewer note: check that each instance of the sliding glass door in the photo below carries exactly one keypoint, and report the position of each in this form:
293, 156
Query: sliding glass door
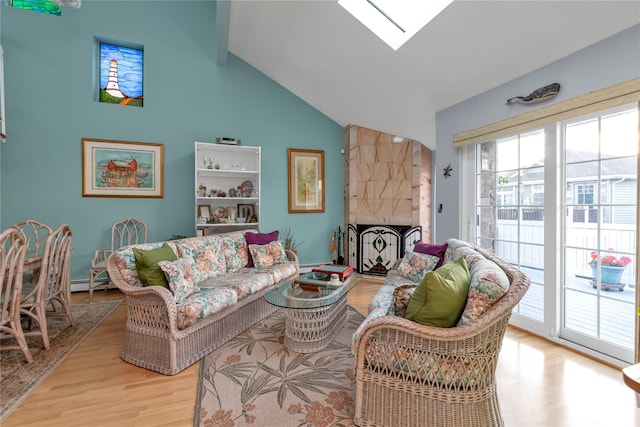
560, 203
510, 209
599, 234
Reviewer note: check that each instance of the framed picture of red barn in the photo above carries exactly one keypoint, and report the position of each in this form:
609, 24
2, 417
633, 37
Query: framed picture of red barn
122, 169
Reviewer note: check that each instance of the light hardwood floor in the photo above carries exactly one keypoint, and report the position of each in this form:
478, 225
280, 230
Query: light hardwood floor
539, 384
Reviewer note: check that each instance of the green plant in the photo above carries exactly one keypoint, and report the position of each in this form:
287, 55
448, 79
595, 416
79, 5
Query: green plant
177, 237
289, 240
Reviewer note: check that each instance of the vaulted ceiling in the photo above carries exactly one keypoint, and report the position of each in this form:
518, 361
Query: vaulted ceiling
321, 53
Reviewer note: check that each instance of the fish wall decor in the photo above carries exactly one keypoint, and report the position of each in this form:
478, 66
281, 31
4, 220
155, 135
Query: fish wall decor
538, 95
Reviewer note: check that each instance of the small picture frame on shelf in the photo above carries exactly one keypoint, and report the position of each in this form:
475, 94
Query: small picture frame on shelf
246, 211
204, 211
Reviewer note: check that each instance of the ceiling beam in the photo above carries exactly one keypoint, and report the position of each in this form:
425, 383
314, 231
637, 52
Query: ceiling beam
223, 16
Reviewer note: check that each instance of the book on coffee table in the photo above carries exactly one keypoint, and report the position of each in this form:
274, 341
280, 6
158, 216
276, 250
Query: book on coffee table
343, 271
313, 278
312, 281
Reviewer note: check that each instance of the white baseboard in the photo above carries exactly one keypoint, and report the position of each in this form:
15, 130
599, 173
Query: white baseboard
83, 286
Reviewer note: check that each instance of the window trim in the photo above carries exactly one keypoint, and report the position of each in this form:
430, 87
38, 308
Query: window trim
602, 99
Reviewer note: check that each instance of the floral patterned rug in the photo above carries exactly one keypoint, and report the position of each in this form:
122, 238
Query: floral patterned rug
19, 378
253, 380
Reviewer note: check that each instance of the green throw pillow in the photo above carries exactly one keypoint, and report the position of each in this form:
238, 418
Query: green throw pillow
149, 271
440, 298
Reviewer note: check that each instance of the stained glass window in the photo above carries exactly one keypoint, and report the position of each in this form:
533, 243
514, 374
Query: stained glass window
121, 77
42, 6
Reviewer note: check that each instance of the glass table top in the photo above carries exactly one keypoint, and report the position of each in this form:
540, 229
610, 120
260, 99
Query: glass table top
288, 296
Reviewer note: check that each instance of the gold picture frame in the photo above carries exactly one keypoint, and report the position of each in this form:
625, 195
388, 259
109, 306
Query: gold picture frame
122, 169
306, 180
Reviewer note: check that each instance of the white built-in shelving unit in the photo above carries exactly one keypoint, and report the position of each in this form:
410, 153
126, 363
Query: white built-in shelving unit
227, 187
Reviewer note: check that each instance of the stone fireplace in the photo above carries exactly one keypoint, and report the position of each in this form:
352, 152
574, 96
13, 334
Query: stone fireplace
387, 195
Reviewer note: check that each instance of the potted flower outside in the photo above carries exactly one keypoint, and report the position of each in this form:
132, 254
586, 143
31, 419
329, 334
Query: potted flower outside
611, 269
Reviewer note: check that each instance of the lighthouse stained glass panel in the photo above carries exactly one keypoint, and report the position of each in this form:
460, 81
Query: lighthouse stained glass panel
121, 77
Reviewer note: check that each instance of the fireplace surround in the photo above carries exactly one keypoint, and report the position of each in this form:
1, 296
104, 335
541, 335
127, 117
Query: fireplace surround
374, 249
387, 198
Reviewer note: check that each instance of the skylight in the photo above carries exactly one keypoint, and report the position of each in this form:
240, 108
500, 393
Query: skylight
395, 21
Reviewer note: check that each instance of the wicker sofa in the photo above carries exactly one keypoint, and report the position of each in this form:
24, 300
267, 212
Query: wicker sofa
168, 336
410, 374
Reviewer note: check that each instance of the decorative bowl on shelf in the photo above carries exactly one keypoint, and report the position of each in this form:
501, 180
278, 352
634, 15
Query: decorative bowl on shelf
246, 188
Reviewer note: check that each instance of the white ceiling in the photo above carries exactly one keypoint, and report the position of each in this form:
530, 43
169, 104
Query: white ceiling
321, 53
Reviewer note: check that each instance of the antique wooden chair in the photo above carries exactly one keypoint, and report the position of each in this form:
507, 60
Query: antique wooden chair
128, 231
51, 286
12, 250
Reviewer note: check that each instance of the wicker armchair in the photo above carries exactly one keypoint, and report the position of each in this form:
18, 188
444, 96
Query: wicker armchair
408, 374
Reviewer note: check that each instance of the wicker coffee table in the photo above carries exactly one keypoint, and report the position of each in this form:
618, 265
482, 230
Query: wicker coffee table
312, 318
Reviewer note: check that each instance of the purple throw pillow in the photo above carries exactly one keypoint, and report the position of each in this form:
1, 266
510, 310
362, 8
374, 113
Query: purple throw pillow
259, 239
429, 249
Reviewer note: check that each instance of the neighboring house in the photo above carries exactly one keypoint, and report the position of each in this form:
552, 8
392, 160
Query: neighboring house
617, 193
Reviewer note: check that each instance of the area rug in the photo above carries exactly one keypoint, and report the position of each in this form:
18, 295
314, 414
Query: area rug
19, 378
253, 380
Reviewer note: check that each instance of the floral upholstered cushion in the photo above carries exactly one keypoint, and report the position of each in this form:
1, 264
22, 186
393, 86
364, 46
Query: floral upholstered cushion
384, 295
431, 249
277, 272
452, 245
259, 239
206, 254
456, 248
382, 298
267, 255
488, 284
401, 296
414, 265
235, 250
471, 255
203, 303
394, 279
181, 277
244, 282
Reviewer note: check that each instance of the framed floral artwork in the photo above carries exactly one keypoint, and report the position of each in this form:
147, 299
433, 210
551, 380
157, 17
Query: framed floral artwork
306, 180
122, 169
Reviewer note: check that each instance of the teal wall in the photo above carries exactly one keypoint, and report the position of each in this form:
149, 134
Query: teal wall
51, 103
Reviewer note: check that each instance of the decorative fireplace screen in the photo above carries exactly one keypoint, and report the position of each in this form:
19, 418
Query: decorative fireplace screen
374, 249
